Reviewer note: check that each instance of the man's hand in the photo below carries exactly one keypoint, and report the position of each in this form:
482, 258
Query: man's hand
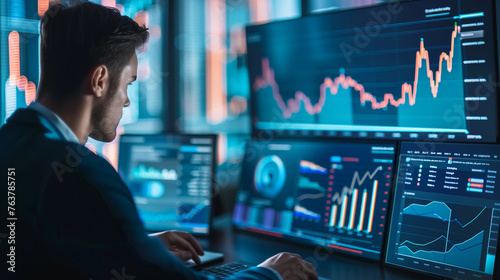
181, 244
291, 266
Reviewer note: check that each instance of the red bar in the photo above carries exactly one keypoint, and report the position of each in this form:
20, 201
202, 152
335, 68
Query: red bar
265, 232
345, 249
352, 159
474, 185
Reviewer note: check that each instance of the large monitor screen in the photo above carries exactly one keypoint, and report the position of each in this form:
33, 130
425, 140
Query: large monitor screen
170, 177
446, 210
414, 70
330, 194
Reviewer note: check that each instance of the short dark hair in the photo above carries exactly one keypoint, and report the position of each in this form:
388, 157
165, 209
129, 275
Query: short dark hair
76, 39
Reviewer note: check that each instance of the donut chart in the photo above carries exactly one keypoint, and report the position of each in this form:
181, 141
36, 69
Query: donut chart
270, 175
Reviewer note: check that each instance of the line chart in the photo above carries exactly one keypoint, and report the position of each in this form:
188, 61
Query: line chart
293, 105
456, 235
356, 181
465, 254
415, 78
310, 196
414, 209
188, 213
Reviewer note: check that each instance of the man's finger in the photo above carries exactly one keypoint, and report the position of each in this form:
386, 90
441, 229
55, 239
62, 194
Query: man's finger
185, 245
189, 237
183, 255
309, 265
310, 272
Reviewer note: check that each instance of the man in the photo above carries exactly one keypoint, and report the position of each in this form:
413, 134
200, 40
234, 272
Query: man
72, 217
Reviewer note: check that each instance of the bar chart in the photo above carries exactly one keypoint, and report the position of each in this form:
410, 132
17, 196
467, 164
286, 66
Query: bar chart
355, 220
343, 194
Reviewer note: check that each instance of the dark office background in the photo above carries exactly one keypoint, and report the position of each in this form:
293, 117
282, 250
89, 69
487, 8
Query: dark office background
192, 73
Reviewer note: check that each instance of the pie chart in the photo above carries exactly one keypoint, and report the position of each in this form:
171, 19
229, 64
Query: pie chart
270, 175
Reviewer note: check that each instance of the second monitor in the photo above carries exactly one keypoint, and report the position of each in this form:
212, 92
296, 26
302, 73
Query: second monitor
446, 214
171, 179
329, 194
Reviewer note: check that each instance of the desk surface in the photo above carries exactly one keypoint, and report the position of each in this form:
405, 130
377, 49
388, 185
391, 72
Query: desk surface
252, 248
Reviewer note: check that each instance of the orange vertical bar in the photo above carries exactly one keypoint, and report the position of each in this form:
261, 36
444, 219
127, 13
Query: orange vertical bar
43, 5
15, 78
342, 212
142, 18
22, 83
30, 93
222, 148
259, 11
362, 213
216, 98
109, 3
372, 206
333, 216
14, 58
353, 208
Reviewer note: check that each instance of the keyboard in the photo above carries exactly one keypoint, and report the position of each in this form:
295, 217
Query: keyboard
225, 270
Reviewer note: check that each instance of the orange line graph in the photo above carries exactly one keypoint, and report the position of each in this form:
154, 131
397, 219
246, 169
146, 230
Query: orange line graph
293, 105
15, 78
356, 181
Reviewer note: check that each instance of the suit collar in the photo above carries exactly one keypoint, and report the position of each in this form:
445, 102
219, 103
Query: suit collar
27, 117
55, 120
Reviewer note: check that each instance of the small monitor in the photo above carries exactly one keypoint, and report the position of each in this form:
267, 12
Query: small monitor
446, 212
331, 194
171, 179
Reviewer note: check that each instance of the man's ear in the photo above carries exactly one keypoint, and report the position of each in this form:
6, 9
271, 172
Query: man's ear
99, 80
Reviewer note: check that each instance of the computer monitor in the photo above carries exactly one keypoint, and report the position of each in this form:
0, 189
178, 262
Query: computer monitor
422, 70
171, 178
446, 213
331, 194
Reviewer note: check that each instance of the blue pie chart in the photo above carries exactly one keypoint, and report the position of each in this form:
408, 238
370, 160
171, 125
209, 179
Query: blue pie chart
270, 175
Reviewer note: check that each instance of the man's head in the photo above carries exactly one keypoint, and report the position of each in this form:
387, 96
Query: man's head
88, 49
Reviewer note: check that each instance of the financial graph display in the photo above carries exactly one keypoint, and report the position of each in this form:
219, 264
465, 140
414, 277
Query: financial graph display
170, 177
412, 70
330, 194
446, 211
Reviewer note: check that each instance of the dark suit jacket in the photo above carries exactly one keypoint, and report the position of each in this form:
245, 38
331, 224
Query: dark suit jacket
76, 218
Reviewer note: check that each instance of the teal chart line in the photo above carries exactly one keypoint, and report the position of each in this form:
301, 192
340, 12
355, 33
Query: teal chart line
434, 214
455, 245
464, 255
195, 210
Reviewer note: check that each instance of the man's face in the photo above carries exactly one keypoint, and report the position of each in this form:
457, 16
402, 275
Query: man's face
108, 112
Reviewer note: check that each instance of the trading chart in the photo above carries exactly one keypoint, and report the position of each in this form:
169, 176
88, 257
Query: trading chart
406, 72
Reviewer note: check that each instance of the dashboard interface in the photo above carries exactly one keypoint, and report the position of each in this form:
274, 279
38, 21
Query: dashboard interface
446, 213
